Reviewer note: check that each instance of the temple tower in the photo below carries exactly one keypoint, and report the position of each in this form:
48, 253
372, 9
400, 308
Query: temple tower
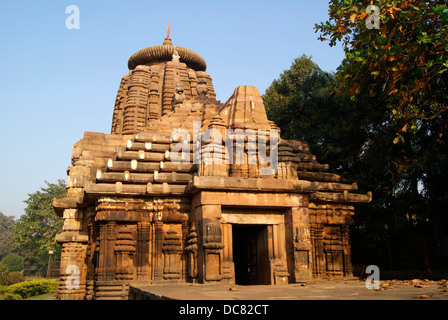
158, 76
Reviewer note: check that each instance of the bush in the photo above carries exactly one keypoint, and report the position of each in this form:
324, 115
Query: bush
3, 289
15, 277
11, 296
6, 295
8, 278
28, 289
4, 275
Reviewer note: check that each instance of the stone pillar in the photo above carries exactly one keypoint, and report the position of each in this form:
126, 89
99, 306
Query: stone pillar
106, 263
228, 267
143, 261
73, 270
124, 250
72, 282
210, 253
302, 244
91, 259
279, 272
184, 253
213, 252
157, 252
348, 268
318, 250
172, 249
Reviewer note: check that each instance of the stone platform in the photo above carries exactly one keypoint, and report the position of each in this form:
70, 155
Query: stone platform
312, 290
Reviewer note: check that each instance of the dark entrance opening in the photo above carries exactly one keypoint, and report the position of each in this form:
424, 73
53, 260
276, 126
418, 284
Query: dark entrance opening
250, 254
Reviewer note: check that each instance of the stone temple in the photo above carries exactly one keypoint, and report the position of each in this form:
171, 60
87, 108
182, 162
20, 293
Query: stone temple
188, 189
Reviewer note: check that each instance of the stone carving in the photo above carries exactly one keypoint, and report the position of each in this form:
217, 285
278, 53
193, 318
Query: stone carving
124, 250
192, 251
302, 234
213, 236
172, 248
202, 88
179, 95
175, 56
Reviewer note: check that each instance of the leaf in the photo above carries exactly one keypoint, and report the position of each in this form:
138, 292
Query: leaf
405, 128
393, 91
353, 16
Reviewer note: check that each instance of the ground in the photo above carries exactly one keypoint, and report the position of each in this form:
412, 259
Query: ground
309, 290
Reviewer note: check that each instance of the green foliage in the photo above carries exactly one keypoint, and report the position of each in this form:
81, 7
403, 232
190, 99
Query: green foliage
13, 262
15, 277
35, 231
26, 289
10, 296
7, 277
6, 235
4, 276
303, 104
406, 59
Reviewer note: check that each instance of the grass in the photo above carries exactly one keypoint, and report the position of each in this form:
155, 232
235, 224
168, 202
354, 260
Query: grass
46, 296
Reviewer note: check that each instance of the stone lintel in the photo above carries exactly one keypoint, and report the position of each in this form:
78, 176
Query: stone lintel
72, 236
67, 203
344, 197
247, 199
253, 218
133, 216
250, 184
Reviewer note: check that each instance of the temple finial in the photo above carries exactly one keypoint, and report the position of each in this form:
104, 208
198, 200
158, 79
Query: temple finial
167, 41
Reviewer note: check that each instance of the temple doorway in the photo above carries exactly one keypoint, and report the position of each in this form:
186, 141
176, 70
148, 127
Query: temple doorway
250, 254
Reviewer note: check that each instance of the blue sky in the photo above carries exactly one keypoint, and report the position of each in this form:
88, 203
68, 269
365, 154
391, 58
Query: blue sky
56, 83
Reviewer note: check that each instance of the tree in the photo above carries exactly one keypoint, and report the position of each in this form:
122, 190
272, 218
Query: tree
13, 262
405, 58
6, 235
303, 104
35, 231
353, 134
